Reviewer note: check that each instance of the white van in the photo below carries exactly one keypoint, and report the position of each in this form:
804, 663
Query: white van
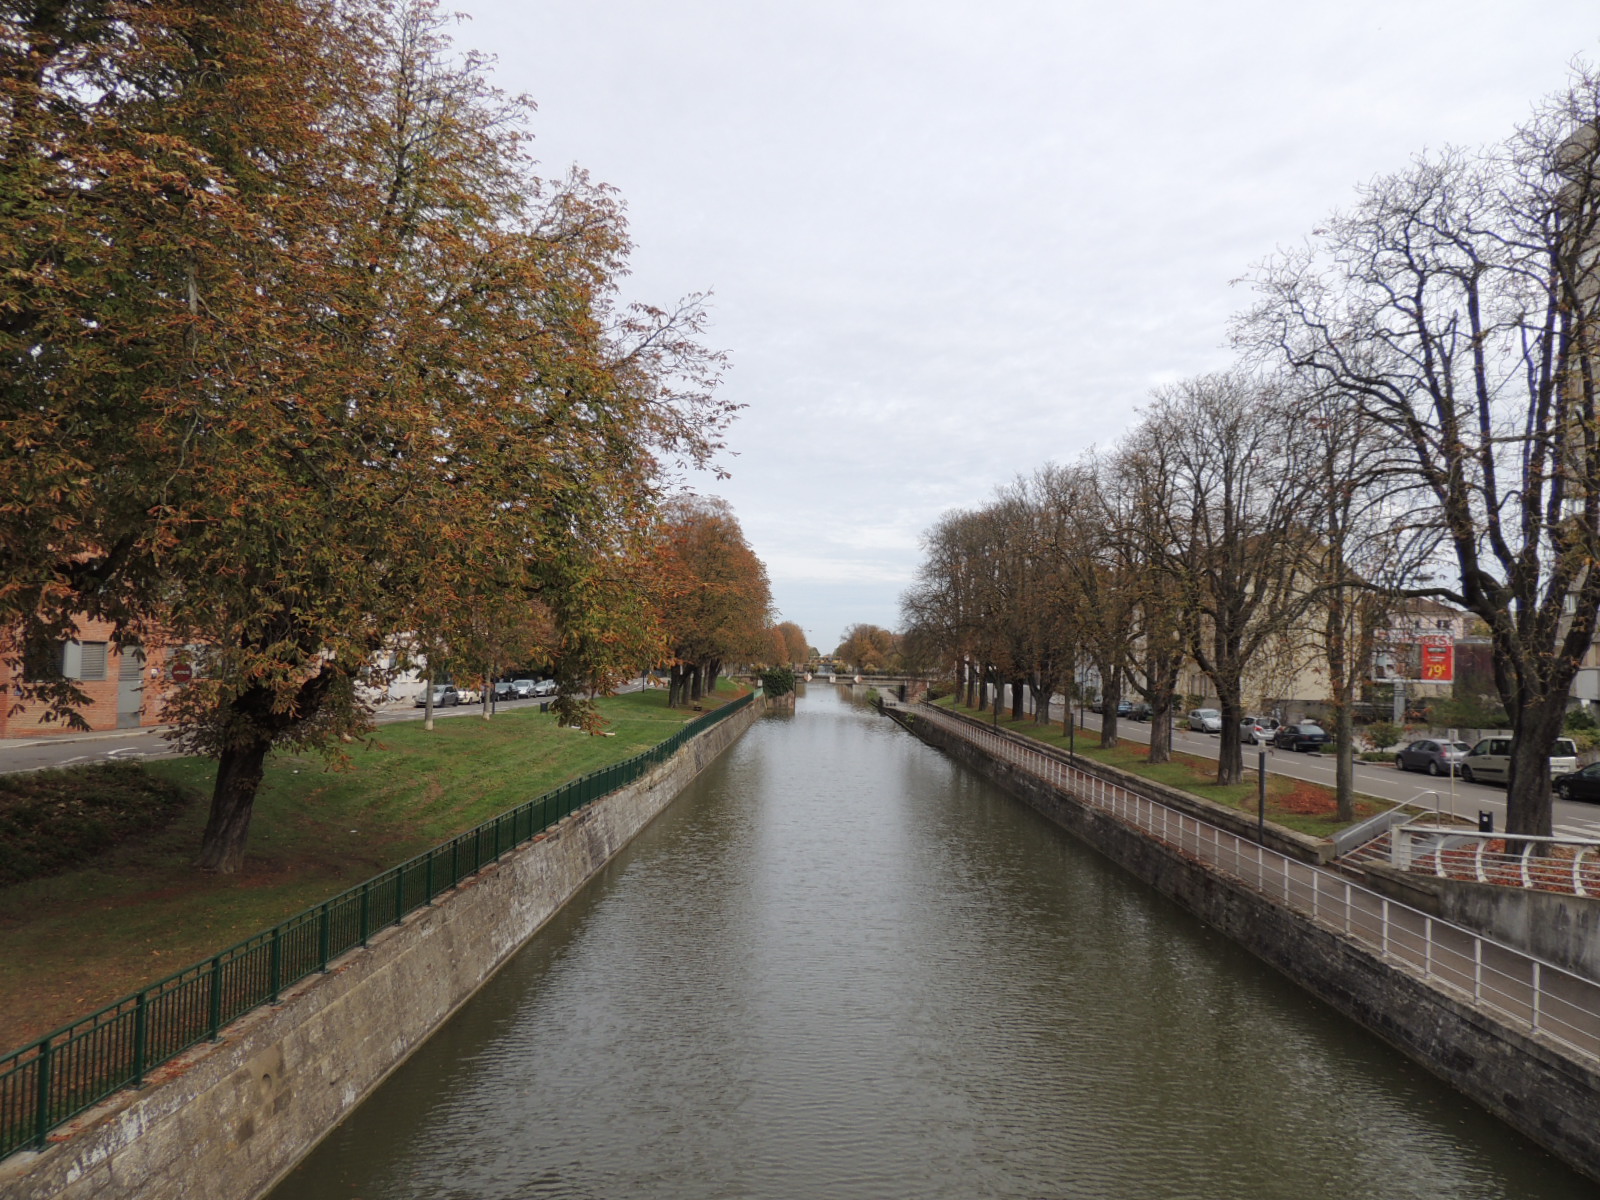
1490, 760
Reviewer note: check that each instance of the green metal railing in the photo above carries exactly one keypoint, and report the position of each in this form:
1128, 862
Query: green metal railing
52, 1080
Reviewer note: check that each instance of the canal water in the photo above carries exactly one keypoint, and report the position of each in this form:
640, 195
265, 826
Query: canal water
842, 967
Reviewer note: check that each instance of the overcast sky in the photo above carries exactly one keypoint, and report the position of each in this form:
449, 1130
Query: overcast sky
949, 241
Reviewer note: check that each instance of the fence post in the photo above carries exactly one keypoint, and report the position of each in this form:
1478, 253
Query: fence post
41, 1121
366, 911
141, 1037
275, 964
399, 894
430, 877
216, 998
1537, 987
324, 935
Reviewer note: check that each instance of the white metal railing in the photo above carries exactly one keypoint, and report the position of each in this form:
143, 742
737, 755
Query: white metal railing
1564, 864
1526, 991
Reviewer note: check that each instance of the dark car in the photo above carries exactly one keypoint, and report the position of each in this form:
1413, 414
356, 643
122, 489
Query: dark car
1139, 712
503, 690
1300, 737
1434, 757
1582, 784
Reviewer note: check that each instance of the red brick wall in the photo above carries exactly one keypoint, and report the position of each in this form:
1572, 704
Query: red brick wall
101, 711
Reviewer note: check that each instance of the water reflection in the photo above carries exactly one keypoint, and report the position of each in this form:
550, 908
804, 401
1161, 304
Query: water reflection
843, 967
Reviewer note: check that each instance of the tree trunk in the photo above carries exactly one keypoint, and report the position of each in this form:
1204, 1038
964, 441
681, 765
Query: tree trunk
427, 702
1044, 690
1230, 757
1110, 697
1344, 770
1528, 805
1161, 730
232, 801
1017, 690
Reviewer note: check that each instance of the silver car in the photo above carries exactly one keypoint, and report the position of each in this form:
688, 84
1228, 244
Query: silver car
1205, 720
1434, 757
1258, 731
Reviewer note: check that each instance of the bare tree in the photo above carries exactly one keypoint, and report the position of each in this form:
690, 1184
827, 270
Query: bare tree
1136, 495
1370, 546
1458, 303
1236, 536
1097, 590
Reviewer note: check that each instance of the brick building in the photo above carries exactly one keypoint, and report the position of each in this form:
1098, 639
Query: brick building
125, 691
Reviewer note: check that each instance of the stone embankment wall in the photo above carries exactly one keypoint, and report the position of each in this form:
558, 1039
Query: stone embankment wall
226, 1121
1552, 1097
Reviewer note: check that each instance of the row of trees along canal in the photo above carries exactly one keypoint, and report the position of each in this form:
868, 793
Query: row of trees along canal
1414, 415
301, 353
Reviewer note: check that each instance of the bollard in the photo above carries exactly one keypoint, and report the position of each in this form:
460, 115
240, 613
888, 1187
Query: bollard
1485, 821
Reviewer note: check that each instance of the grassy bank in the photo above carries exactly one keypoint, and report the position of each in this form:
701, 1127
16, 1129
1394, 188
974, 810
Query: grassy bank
1308, 808
79, 939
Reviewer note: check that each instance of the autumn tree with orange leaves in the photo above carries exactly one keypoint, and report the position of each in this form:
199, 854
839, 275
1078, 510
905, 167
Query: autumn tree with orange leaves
301, 353
796, 650
711, 592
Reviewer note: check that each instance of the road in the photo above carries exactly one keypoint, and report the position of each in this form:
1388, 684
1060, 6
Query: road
68, 750
1381, 780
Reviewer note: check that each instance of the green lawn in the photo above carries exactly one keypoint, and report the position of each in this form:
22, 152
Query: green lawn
77, 940
1308, 808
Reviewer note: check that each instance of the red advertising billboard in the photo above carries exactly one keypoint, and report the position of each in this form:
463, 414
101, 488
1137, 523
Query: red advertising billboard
1407, 657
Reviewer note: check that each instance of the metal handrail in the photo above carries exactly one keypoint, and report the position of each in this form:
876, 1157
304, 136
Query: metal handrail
1403, 854
1363, 832
54, 1078
1525, 991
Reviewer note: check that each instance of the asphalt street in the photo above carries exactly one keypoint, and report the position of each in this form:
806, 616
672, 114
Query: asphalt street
73, 749
1381, 780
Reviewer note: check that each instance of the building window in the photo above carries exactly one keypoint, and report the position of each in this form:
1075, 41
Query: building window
84, 661
41, 661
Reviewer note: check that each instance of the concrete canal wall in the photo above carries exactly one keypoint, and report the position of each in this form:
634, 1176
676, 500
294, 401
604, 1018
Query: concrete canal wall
226, 1121
1549, 1095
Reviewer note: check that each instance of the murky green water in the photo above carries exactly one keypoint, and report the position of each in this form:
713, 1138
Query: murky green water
841, 967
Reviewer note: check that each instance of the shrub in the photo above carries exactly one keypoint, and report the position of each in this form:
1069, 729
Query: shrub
1580, 719
777, 681
1383, 733
53, 820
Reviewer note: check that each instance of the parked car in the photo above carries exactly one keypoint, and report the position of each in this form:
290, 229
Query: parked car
1490, 760
545, 687
1257, 731
468, 696
1139, 712
1436, 758
444, 696
1302, 737
1580, 785
1205, 720
503, 690
524, 688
